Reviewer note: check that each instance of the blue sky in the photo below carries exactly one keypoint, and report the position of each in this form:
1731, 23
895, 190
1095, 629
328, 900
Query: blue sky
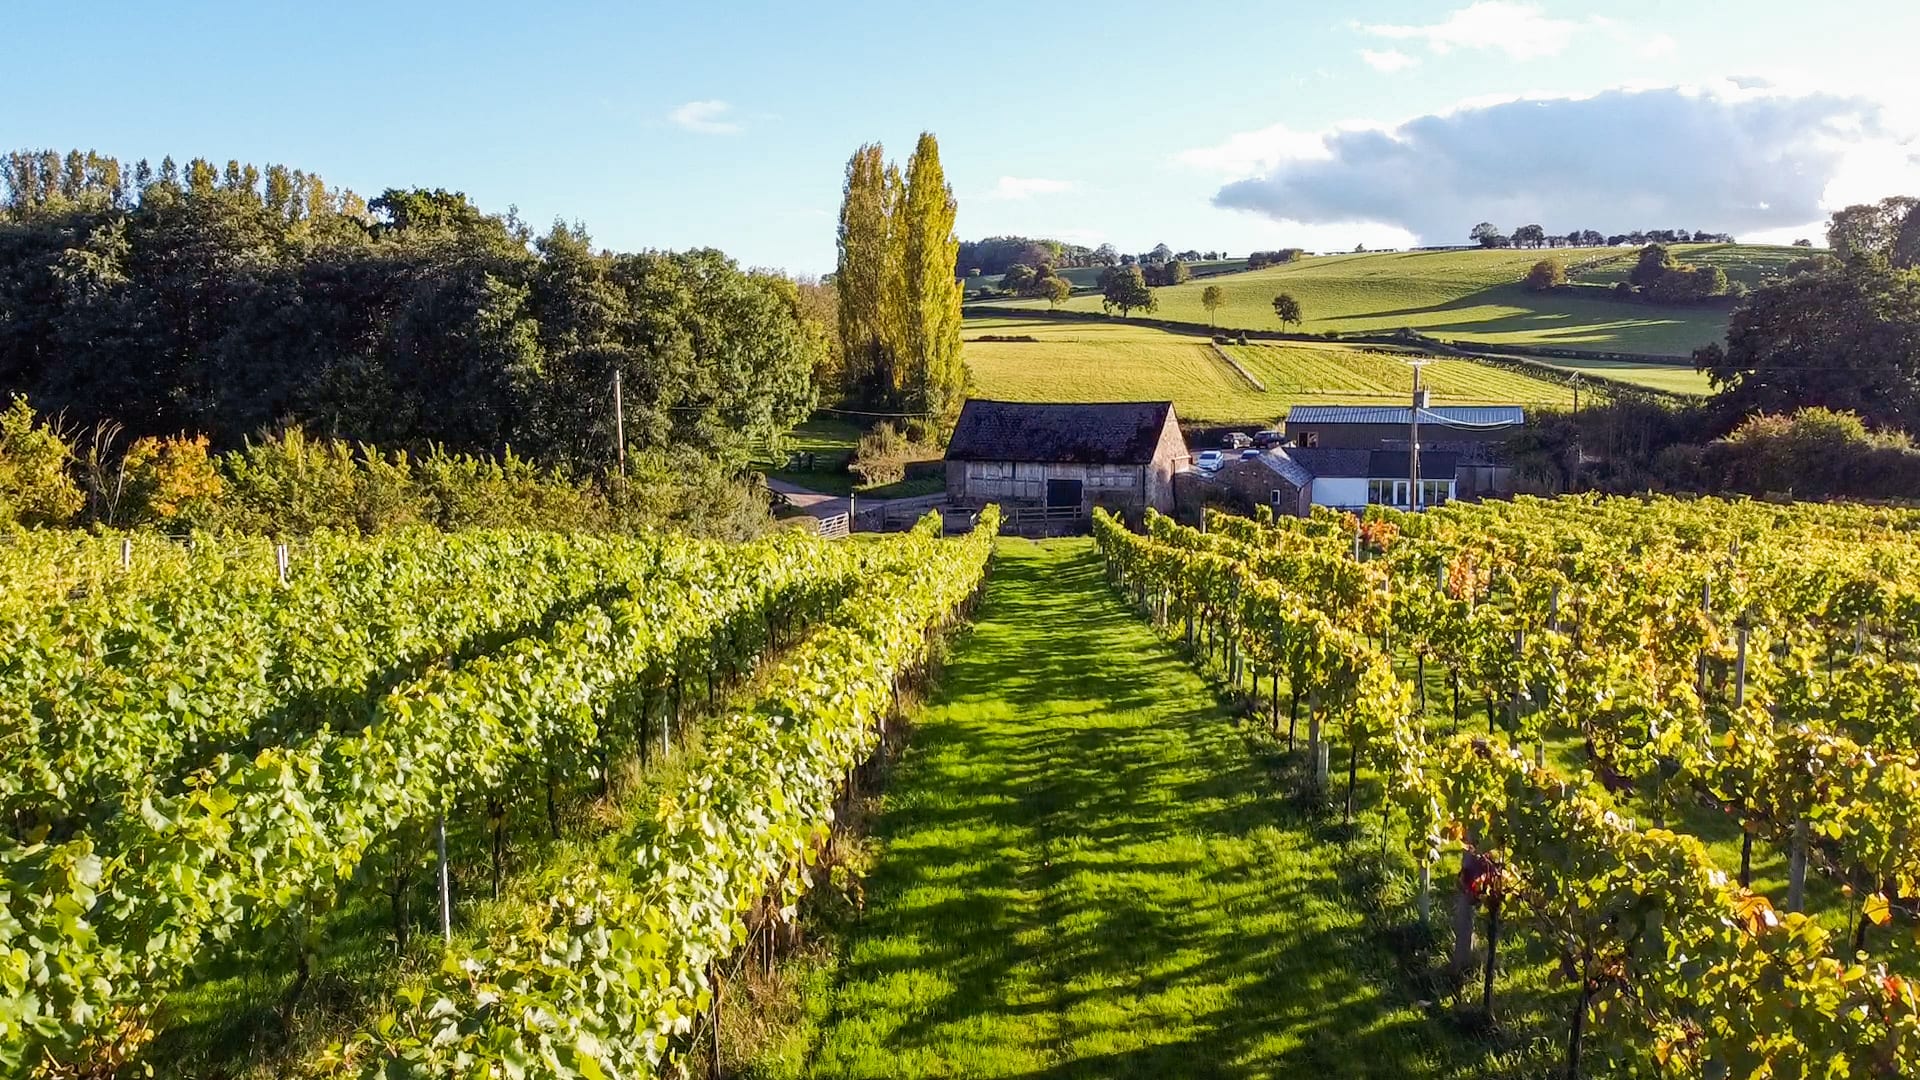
1229, 125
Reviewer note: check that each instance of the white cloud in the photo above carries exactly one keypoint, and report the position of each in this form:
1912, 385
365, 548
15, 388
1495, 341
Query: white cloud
1387, 59
706, 117
1725, 158
1251, 153
1658, 45
1026, 187
1523, 31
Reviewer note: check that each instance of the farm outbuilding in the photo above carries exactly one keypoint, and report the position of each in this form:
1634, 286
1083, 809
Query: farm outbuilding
1295, 479
1121, 455
1367, 427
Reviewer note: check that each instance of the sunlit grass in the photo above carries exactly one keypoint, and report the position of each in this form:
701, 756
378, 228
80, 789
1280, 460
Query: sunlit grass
1469, 296
1093, 361
1085, 871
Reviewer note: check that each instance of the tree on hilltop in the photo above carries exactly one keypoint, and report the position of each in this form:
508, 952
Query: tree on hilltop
1488, 235
1287, 310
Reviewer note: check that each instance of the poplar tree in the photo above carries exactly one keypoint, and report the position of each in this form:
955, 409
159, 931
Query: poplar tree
899, 302
860, 277
936, 377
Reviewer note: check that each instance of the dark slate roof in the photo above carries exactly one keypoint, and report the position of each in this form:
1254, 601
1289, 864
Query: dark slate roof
1372, 464
1103, 433
1332, 460
1288, 469
1445, 415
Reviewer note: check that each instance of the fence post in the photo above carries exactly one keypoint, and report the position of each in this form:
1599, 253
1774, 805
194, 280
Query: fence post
1797, 868
446, 889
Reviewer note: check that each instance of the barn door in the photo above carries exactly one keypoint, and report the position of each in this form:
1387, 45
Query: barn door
1063, 493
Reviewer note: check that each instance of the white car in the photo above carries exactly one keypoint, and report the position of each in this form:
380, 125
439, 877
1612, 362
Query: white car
1209, 460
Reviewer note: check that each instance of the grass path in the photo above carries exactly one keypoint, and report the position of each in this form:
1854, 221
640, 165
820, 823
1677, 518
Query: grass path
1083, 872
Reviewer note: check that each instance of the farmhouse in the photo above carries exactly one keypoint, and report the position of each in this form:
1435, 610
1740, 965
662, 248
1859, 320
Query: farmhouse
1472, 437
1120, 455
1295, 479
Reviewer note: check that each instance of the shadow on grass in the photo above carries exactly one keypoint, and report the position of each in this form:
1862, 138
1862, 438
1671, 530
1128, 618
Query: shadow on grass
1084, 872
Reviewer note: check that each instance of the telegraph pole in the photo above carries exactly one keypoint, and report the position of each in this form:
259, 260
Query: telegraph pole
1413, 436
619, 426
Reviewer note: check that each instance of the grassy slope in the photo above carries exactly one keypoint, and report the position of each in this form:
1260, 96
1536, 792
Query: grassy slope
833, 441
1083, 873
1467, 295
1091, 361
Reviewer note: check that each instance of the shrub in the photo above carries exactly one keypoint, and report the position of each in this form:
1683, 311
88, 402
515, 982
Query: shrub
36, 487
294, 484
167, 482
1623, 290
881, 457
1546, 274
1242, 339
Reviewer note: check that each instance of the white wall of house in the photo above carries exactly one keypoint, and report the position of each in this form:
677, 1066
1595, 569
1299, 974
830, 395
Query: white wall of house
1339, 491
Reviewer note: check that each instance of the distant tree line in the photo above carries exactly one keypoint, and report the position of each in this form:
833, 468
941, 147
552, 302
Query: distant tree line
226, 301
1261, 259
997, 254
1488, 235
898, 300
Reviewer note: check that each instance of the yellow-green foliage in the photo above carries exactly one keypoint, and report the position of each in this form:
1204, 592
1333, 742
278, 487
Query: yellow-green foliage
35, 485
163, 481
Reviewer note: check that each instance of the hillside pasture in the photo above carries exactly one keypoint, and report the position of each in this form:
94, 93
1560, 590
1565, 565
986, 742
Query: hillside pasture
1118, 361
1469, 296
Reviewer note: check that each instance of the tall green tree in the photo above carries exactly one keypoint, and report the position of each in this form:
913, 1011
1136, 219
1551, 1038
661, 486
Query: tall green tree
860, 277
936, 375
1870, 228
1845, 338
227, 307
899, 300
1124, 288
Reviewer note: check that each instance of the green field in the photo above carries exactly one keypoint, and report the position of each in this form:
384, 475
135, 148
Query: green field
1753, 265
1083, 871
1115, 361
1471, 296
1672, 378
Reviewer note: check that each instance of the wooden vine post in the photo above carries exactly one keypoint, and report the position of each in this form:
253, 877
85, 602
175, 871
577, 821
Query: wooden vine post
446, 888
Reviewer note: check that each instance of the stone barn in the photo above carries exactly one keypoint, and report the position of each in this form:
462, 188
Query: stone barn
1120, 455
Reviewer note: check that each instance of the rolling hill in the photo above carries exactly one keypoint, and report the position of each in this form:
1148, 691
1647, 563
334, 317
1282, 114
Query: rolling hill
1469, 296
1117, 361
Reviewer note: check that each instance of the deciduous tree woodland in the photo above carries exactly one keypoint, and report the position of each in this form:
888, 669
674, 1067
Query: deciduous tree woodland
899, 301
226, 301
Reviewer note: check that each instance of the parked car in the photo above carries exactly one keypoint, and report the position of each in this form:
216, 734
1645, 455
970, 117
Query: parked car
1250, 452
1238, 440
1264, 439
1209, 460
